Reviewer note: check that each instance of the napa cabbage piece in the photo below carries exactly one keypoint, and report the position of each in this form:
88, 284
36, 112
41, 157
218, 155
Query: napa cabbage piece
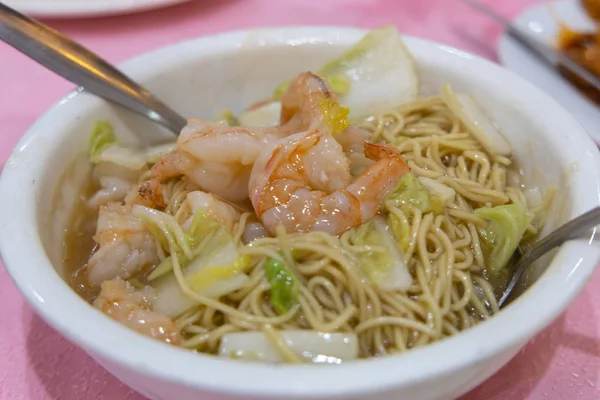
440, 194
263, 116
375, 75
335, 117
155, 153
102, 137
164, 228
310, 346
123, 156
284, 285
401, 231
200, 227
505, 229
476, 121
216, 272
420, 192
219, 269
104, 148
226, 117
386, 268
409, 192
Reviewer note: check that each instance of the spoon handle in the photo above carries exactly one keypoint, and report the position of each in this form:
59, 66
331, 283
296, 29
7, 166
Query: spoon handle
571, 230
82, 67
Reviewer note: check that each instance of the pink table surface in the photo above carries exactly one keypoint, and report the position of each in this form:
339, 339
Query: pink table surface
37, 363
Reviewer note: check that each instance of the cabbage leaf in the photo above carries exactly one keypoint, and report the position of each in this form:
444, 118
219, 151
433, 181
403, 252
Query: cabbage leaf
265, 115
384, 265
104, 147
410, 192
227, 118
201, 226
501, 237
211, 275
103, 136
311, 346
215, 272
401, 232
375, 75
284, 285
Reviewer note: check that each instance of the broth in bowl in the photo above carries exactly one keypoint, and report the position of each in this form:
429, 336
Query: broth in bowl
344, 217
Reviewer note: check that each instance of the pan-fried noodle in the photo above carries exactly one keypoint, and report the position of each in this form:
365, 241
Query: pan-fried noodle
313, 239
450, 291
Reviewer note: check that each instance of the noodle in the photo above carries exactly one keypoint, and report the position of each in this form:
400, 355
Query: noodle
449, 292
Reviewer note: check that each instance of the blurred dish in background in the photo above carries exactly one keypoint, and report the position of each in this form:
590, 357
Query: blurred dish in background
85, 8
583, 47
568, 26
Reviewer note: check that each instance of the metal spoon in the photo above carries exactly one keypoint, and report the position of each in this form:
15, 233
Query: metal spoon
82, 67
571, 230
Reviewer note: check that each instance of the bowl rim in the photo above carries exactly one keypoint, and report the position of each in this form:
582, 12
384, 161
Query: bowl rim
27, 263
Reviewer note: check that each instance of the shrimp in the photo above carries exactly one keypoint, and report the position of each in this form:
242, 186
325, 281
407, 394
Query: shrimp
125, 245
216, 158
303, 183
112, 189
219, 159
115, 182
302, 104
148, 193
309, 103
122, 302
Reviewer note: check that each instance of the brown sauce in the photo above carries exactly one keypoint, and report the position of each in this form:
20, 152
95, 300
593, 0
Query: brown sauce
79, 244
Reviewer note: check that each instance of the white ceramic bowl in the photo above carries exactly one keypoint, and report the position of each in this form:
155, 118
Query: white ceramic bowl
198, 78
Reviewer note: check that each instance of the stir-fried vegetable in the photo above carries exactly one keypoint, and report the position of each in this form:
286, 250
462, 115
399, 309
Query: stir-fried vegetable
284, 285
227, 118
506, 227
309, 346
375, 75
477, 123
102, 137
410, 192
266, 115
105, 148
218, 270
440, 194
155, 153
201, 226
422, 193
382, 261
123, 156
164, 228
335, 117
380, 70
214, 273
401, 231
209, 276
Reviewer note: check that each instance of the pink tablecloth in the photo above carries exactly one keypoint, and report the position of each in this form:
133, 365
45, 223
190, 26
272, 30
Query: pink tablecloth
36, 363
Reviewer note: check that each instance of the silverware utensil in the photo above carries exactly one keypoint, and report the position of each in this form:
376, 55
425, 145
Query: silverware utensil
571, 230
82, 67
547, 55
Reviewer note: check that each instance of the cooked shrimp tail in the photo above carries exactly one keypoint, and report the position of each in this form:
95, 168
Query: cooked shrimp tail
303, 100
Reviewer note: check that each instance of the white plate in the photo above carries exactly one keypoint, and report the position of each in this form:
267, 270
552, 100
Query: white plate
539, 22
85, 8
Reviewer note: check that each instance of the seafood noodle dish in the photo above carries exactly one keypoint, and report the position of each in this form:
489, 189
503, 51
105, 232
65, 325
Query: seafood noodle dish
346, 216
